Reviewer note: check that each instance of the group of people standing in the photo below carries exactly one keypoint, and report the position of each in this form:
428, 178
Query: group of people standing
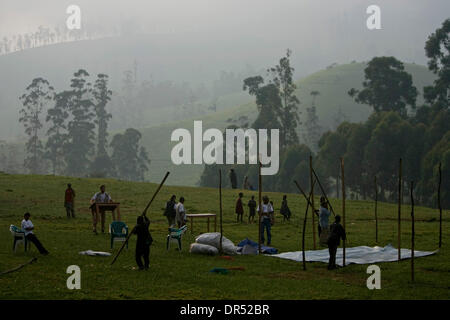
175, 212
252, 208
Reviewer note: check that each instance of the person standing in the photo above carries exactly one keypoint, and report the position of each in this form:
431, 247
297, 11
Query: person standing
239, 207
99, 197
144, 240
252, 209
69, 201
246, 184
180, 213
285, 211
337, 233
170, 211
28, 227
233, 179
324, 216
266, 220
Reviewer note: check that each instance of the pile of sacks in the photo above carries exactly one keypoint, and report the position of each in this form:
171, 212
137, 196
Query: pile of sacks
208, 243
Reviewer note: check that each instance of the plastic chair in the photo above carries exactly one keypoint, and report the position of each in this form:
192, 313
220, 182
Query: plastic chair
119, 232
19, 237
175, 235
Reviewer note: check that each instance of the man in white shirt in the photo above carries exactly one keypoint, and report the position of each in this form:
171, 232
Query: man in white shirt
99, 197
28, 227
180, 213
266, 216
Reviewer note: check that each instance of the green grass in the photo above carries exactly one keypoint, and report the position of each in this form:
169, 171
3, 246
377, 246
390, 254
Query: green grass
181, 275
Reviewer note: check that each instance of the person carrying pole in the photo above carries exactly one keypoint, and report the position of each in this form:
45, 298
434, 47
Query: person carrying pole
144, 240
337, 233
324, 216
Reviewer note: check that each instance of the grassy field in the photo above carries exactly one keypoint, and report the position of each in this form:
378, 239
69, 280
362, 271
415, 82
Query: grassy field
181, 275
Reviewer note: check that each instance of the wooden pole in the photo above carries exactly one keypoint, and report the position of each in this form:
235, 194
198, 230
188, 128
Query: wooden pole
19, 267
308, 202
399, 209
323, 191
220, 210
412, 232
440, 206
376, 213
307, 198
260, 204
343, 208
312, 201
143, 214
337, 187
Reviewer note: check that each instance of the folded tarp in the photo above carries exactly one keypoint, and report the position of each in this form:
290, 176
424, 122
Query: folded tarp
264, 249
358, 255
95, 253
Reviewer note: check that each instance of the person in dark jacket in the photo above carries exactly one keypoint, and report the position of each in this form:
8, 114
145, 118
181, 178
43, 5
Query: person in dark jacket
285, 211
144, 240
233, 179
251, 209
170, 211
239, 207
337, 233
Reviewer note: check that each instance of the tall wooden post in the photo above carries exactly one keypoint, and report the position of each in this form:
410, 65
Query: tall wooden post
220, 208
260, 204
376, 214
440, 207
343, 208
399, 208
337, 187
412, 232
312, 201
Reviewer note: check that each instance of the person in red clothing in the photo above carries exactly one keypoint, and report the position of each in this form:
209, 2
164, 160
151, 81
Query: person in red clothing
69, 201
239, 207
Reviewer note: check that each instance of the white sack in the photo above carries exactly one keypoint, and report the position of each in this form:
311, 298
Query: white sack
203, 249
213, 239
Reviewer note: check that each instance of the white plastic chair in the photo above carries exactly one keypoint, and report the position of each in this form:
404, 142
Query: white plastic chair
19, 237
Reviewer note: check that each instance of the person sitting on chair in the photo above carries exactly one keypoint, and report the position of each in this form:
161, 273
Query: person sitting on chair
28, 227
180, 213
99, 197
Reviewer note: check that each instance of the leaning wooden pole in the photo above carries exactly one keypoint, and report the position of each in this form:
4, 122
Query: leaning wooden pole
412, 232
399, 209
312, 201
19, 267
323, 191
260, 205
220, 211
343, 209
440, 206
376, 213
308, 202
143, 214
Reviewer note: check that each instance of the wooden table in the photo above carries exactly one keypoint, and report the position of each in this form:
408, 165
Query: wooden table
109, 206
202, 215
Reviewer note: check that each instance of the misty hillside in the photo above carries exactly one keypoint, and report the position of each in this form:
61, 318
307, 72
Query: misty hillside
332, 84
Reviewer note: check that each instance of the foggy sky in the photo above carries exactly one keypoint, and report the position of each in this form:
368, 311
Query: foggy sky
323, 26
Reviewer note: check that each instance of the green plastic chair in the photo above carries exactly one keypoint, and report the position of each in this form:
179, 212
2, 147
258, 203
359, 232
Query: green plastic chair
175, 235
119, 232
19, 237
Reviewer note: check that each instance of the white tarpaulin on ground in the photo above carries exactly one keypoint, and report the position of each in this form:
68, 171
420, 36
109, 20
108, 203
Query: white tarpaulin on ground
358, 255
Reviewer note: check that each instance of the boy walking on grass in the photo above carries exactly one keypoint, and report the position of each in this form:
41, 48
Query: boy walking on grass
239, 207
251, 209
